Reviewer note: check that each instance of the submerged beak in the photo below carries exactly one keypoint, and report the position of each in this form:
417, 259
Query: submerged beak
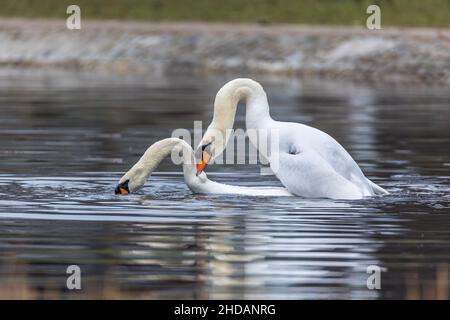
202, 164
122, 188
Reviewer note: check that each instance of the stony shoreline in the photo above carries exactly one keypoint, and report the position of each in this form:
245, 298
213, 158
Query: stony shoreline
391, 54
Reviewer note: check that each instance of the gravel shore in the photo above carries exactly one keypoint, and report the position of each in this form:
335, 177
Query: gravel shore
390, 54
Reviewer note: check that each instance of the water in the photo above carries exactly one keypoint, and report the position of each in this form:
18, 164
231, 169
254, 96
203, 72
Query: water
67, 137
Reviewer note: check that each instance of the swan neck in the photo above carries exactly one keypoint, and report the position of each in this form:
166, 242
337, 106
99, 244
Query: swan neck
161, 149
229, 96
153, 156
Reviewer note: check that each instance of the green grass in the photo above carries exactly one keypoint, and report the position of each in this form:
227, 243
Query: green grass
419, 13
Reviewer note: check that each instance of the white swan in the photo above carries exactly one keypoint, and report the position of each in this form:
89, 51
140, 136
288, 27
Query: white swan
310, 163
136, 177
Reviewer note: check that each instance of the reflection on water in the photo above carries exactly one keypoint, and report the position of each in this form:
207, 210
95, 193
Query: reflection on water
66, 138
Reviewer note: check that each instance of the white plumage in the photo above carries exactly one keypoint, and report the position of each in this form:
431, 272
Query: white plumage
308, 162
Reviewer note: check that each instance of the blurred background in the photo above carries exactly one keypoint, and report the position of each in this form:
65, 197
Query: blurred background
413, 13
79, 107
312, 38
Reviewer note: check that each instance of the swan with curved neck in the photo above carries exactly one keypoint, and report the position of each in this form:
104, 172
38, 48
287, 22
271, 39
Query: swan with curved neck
136, 177
308, 162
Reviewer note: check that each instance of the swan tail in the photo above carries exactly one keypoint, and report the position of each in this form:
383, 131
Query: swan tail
377, 189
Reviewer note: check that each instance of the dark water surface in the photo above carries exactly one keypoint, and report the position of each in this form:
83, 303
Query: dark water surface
66, 138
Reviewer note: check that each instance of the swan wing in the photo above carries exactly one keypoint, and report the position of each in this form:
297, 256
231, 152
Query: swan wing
311, 154
307, 174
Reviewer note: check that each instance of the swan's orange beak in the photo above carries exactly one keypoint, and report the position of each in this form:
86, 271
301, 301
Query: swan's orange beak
122, 191
202, 164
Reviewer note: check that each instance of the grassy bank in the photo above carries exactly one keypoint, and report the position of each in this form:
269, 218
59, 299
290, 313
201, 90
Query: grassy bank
419, 13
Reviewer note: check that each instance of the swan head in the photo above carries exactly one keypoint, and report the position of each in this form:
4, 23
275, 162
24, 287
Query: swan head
137, 176
212, 145
122, 188
132, 181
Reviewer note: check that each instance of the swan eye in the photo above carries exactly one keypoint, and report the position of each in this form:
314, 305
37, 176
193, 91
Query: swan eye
205, 146
293, 150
